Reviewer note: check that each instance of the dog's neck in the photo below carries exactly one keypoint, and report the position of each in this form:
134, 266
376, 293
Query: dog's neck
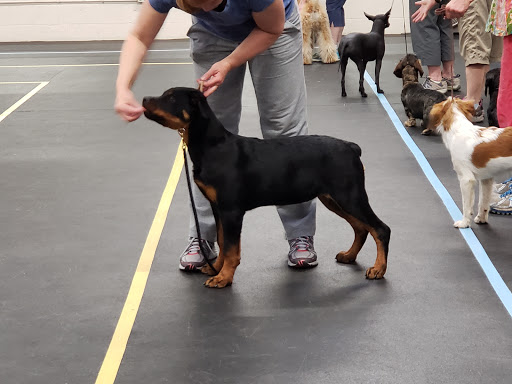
378, 27
204, 133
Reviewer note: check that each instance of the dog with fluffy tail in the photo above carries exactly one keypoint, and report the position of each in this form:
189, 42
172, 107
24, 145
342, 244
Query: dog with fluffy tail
315, 29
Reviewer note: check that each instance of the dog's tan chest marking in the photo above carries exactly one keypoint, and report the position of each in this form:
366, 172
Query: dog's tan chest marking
208, 190
501, 147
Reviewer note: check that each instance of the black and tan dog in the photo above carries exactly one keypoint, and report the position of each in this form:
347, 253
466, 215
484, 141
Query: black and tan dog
237, 174
417, 100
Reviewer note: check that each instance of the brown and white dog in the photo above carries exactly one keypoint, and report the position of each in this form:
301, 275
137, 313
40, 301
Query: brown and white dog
315, 28
477, 153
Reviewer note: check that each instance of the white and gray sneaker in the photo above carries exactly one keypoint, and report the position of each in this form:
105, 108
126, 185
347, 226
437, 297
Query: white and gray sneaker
192, 258
302, 253
439, 86
502, 187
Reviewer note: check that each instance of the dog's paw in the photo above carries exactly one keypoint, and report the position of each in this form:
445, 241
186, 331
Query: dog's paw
207, 270
410, 123
363, 94
374, 273
426, 132
343, 94
379, 90
218, 282
345, 258
461, 224
481, 219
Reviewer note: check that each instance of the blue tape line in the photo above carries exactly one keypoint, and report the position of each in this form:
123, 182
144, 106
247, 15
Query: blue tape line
474, 244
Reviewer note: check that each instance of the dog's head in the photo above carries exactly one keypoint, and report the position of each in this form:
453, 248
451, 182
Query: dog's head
408, 69
380, 18
442, 114
492, 81
176, 108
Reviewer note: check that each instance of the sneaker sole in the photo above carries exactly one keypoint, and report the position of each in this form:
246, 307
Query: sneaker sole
498, 212
303, 265
193, 268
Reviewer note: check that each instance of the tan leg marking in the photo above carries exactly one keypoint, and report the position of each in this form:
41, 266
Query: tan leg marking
225, 276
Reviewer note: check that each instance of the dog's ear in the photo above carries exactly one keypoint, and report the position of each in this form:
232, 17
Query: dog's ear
398, 69
437, 113
369, 17
388, 13
467, 107
417, 65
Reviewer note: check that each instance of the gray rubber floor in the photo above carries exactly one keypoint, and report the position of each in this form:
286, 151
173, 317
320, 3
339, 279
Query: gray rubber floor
79, 192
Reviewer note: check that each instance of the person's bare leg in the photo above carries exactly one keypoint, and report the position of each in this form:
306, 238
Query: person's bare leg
336, 33
448, 69
475, 81
434, 72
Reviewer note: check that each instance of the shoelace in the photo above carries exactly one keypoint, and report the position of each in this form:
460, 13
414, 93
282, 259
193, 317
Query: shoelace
506, 193
194, 246
302, 243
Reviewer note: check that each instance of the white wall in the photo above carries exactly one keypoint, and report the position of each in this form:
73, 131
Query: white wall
82, 20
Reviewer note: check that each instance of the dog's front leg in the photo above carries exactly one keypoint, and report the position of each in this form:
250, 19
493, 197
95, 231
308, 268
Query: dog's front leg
231, 228
484, 200
220, 241
467, 188
378, 64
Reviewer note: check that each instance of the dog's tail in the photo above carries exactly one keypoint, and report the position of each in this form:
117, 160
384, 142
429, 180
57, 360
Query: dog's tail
356, 148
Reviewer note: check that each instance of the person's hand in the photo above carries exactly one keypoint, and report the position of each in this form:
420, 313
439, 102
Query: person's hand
214, 77
127, 106
456, 8
421, 12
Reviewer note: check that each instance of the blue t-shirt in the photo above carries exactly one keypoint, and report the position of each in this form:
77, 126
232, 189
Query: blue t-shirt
234, 23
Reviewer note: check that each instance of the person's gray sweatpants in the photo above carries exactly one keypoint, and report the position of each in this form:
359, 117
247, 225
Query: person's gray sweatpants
278, 78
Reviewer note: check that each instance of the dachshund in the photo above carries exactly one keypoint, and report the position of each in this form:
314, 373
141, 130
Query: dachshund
416, 100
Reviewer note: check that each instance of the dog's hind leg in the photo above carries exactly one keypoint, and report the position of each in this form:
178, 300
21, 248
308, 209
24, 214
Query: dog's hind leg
378, 65
229, 244
411, 122
360, 232
363, 220
484, 200
361, 65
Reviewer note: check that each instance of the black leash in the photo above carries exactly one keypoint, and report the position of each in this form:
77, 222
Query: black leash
201, 246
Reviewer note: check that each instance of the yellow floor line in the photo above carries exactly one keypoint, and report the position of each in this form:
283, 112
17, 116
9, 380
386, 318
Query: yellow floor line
82, 65
22, 100
115, 352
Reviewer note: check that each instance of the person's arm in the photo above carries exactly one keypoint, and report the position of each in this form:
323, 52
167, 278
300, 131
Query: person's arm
134, 49
456, 8
269, 26
453, 10
421, 12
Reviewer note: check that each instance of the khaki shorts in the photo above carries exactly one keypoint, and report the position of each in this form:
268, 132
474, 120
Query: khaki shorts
476, 45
